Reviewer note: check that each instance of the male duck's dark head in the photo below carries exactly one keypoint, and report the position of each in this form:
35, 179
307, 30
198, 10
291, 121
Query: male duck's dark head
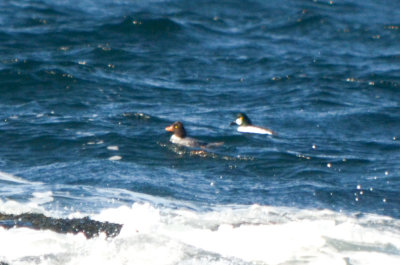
177, 128
241, 120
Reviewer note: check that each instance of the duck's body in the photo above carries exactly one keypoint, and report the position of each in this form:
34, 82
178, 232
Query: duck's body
186, 141
179, 137
254, 129
245, 126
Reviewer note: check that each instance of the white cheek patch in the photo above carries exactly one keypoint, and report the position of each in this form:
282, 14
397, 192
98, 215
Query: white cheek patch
239, 121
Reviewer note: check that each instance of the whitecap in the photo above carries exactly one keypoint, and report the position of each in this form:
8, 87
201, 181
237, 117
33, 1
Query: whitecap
113, 148
115, 158
11, 178
231, 234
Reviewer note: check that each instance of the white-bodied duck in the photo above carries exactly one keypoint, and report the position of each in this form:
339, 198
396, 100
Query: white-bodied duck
245, 126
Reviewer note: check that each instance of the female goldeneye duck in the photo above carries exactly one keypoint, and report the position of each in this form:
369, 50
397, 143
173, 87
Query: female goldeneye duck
179, 137
246, 126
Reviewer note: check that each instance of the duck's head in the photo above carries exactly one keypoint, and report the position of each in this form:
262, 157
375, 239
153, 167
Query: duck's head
241, 120
177, 128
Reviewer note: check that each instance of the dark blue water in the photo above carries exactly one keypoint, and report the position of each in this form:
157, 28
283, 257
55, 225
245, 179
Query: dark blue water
87, 88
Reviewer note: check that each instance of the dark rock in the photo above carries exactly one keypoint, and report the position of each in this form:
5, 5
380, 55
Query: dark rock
88, 227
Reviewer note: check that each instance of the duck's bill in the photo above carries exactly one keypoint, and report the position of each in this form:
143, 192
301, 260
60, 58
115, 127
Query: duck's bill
169, 128
233, 123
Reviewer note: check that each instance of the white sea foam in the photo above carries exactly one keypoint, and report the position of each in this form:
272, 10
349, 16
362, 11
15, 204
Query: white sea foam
42, 197
115, 158
113, 148
15, 179
224, 235
14, 207
11, 178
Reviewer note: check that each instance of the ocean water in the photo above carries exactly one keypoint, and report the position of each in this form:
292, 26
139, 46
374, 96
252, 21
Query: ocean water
86, 91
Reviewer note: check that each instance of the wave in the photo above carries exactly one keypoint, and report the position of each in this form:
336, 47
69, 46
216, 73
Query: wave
215, 235
11, 178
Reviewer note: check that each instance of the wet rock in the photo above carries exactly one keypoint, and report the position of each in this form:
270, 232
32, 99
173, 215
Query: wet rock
88, 227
